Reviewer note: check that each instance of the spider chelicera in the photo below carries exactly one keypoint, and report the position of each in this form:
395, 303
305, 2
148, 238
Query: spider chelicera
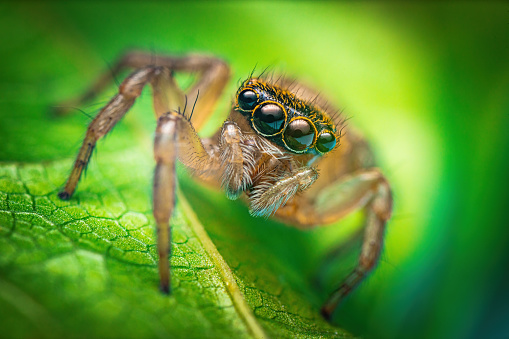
280, 146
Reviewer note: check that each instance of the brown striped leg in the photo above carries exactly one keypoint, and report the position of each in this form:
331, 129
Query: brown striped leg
369, 190
165, 153
237, 159
128, 91
267, 196
176, 139
213, 74
167, 96
174, 131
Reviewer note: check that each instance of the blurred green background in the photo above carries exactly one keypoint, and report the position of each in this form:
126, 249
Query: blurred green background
428, 84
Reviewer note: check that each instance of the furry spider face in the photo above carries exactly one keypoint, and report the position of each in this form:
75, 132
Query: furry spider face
280, 116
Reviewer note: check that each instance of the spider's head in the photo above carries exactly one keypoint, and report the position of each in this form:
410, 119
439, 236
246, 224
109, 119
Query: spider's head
280, 116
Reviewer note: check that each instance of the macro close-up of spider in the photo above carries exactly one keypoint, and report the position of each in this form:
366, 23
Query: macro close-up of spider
261, 169
282, 146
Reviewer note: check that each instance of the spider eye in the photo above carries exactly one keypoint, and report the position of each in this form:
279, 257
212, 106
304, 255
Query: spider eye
269, 118
247, 99
299, 134
326, 141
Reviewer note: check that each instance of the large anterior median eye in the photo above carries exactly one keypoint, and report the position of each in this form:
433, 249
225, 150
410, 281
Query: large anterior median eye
269, 118
247, 99
299, 135
325, 142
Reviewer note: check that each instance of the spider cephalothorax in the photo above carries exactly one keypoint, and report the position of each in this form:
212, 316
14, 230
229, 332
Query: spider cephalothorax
270, 149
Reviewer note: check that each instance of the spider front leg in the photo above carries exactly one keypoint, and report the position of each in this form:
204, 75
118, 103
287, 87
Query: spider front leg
367, 189
165, 91
268, 196
174, 134
165, 154
174, 130
213, 73
107, 118
177, 139
237, 159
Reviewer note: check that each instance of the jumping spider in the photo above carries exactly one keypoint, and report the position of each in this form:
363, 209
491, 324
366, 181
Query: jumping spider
271, 148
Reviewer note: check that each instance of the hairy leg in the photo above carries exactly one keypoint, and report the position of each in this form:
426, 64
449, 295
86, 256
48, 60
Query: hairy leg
367, 189
237, 160
267, 196
165, 154
176, 139
108, 117
174, 131
167, 96
213, 74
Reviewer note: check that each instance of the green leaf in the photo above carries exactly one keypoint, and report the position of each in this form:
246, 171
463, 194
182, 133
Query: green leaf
88, 267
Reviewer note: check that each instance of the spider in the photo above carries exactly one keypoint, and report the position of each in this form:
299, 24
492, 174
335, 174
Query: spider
279, 147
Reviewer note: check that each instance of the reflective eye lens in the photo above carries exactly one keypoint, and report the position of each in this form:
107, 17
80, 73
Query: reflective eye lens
247, 99
325, 142
299, 135
269, 119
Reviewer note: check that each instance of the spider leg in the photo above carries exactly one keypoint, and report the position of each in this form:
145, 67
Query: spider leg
177, 139
165, 154
267, 196
167, 96
174, 131
213, 76
237, 160
107, 118
367, 189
